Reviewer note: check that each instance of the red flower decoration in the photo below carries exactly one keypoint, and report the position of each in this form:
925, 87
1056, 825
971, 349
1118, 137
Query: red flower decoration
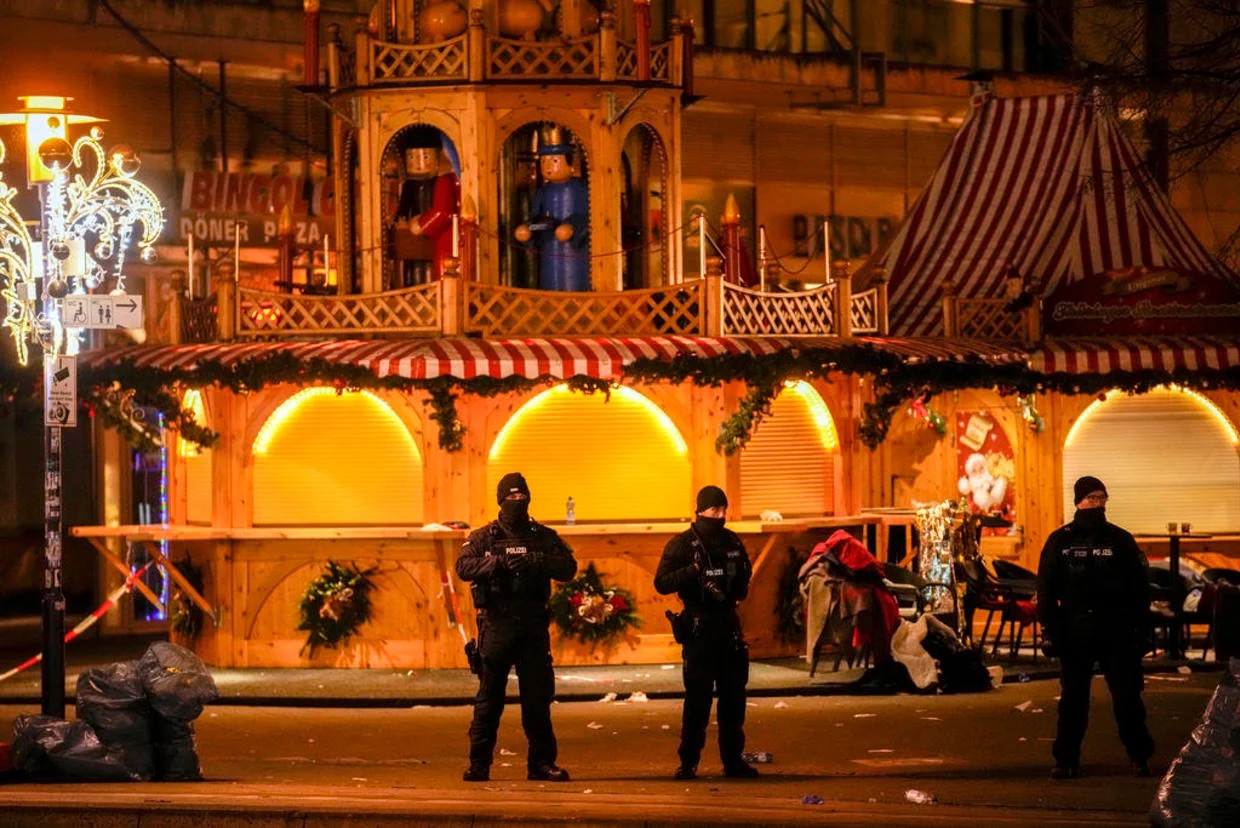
618, 604
575, 599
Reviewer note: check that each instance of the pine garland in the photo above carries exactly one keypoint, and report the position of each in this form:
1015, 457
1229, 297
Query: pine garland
114, 391
592, 612
335, 605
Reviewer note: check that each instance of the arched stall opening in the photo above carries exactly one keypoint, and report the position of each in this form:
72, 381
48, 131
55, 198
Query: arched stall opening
789, 464
643, 161
1166, 455
336, 459
421, 191
620, 459
544, 227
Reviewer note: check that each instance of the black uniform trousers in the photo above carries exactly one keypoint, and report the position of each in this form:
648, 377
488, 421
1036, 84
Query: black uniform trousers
715, 659
504, 642
1119, 656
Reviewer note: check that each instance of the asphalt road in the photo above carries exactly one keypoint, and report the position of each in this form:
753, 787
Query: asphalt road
984, 757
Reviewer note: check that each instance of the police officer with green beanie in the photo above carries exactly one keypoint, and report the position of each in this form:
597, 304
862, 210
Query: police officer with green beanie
708, 567
1093, 603
510, 563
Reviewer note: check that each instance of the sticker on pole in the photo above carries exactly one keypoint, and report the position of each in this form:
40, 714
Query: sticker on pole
60, 392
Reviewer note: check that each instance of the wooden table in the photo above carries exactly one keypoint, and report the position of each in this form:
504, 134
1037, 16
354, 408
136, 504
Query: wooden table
1174, 649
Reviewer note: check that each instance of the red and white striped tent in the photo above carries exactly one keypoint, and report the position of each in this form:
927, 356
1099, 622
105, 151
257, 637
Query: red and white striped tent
1048, 188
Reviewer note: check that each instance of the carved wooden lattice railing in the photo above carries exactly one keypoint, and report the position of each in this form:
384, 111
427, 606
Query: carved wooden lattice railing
989, 319
661, 62
522, 59
864, 312
396, 62
413, 310
492, 310
750, 313
198, 320
626, 61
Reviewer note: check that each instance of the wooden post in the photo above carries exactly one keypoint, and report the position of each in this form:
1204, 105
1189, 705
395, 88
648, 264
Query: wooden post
676, 56
450, 305
713, 297
641, 10
880, 301
731, 222
226, 309
687, 35
476, 44
363, 59
333, 55
1033, 321
951, 307
607, 46
843, 299
176, 307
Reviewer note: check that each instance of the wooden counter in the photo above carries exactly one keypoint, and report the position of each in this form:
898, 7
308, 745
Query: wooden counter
254, 578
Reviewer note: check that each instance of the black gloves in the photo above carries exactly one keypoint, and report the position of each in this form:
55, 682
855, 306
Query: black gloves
1049, 649
520, 562
713, 591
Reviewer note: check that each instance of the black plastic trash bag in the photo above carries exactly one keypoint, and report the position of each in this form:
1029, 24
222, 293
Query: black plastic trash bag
49, 748
113, 701
1202, 786
176, 681
176, 755
961, 668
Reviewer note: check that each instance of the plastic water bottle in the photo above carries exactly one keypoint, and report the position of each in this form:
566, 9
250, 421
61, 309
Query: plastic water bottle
570, 513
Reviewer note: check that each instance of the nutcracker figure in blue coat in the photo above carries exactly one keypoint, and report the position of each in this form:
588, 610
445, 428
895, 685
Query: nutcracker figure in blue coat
559, 223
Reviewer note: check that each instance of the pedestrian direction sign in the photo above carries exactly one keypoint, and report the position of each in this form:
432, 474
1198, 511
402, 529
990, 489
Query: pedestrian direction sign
80, 310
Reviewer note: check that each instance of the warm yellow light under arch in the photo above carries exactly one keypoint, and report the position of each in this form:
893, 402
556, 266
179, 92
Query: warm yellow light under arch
619, 459
192, 402
327, 458
1201, 399
818, 410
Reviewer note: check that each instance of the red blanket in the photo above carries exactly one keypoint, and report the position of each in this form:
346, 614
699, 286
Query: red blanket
862, 594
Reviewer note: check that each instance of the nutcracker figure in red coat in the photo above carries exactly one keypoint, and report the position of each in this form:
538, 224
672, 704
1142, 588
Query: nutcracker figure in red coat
428, 200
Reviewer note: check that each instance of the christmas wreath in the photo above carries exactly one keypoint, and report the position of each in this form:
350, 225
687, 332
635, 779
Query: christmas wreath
335, 605
592, 612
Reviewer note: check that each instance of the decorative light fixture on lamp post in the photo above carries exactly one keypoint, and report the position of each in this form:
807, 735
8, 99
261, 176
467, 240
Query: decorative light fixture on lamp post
90, 207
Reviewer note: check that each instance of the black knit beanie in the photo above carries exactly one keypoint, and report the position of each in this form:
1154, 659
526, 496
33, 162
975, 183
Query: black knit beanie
1086, 486
512, 483
710, 497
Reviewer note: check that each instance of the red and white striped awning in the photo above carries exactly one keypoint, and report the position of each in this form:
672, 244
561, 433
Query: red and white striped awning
1048, 188
931, 349
1103, 355
600, 357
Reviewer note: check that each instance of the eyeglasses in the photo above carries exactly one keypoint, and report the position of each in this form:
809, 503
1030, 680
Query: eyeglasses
1097, 498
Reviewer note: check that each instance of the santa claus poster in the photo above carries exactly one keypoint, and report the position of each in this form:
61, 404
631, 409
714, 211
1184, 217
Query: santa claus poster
985, 467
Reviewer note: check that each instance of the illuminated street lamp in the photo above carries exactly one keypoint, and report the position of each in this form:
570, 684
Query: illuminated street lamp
91, 208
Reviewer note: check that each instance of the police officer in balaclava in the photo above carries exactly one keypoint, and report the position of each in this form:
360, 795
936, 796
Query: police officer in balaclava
510, 563
1094, 603
708, 567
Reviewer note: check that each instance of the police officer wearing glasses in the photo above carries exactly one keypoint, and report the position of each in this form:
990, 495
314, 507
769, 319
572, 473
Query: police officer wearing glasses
709, 569
510, 563
1093, 604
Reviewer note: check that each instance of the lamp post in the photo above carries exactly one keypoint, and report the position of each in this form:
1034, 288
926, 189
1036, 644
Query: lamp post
89, 208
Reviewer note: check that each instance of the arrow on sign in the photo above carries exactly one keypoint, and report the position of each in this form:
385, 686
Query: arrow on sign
130, 306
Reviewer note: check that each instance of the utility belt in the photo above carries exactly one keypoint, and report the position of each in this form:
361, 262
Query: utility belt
691, 624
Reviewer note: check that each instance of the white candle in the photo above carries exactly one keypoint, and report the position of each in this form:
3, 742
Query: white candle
826, 245
326, 236
456, 236
237, 254
190, 266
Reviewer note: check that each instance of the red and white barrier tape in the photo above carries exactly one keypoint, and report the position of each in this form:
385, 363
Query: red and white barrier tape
87, 622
